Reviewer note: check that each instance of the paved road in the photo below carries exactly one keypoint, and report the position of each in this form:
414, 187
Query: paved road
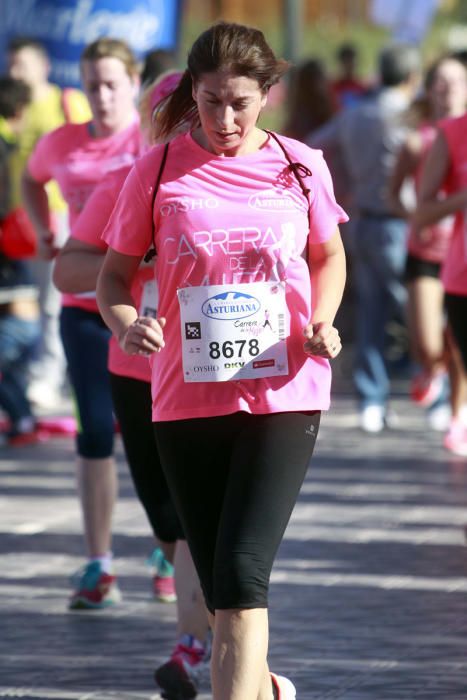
368, 595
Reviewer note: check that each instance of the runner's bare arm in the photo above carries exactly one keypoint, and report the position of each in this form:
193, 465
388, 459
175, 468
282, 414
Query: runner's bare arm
77, 267
430, 206
328, 273
36, 204
136, 334
406, 164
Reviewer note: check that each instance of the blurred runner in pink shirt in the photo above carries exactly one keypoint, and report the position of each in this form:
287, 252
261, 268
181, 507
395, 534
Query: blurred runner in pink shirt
445, 96
78, 156
446, 171
76, 271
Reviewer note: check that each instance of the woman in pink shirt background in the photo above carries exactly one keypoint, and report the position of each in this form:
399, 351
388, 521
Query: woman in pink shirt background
76, 270
78, 156
242, 220
445, 171
445, 95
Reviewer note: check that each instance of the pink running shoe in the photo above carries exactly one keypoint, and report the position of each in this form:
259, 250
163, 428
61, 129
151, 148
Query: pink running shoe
60, 425
178, 678
283, 688
455, 439
426, 388
164, 588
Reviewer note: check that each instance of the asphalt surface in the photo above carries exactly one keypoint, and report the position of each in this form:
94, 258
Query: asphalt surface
368, 593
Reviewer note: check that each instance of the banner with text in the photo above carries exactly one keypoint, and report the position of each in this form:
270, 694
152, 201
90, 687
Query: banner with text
65, 27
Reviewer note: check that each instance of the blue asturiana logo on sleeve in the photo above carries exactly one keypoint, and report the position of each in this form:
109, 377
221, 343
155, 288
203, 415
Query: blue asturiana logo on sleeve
231, 306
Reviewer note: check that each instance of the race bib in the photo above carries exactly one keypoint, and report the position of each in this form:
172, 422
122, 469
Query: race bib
233, 331
149, 299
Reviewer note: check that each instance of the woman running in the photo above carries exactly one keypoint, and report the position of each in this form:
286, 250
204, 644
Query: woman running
443, 191
78, 156
445, 96
243, 220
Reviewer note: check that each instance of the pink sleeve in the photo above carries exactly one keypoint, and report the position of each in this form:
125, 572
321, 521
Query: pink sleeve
453, 131
325, 212
130, 227
93, 219
448, 128
41, 160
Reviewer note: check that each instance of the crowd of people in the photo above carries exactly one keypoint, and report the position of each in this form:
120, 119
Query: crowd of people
184, 275
377, 145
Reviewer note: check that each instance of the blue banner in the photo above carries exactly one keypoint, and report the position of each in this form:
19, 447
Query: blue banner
65, 27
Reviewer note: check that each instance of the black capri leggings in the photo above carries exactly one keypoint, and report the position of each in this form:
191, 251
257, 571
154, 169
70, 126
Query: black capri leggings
235, 480
456, 307
133, 406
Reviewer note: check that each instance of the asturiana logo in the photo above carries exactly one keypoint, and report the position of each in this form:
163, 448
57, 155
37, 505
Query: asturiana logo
230, 306
275, 200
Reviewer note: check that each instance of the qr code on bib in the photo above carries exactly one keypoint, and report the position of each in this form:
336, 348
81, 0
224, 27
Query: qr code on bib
193, 330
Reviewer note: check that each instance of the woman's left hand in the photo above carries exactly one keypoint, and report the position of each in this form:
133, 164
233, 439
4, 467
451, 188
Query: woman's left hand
322, 340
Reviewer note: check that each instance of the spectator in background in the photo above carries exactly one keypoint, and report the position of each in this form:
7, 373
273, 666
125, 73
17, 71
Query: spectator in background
369, 137
157, 62
444, 95
347, 87
310, 105
19, 324
310, 102
49, 108
461, 56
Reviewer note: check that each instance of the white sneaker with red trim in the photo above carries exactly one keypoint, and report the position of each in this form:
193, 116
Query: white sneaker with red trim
284, 689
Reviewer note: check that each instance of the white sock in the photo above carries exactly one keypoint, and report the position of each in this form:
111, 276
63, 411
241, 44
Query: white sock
106, 562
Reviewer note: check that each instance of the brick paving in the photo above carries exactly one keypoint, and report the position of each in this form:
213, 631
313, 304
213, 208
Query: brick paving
368, 594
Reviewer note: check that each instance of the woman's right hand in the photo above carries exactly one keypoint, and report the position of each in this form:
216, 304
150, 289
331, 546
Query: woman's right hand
46, 248
144, 336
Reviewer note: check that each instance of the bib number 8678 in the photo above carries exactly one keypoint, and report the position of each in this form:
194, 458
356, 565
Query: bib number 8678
233, 347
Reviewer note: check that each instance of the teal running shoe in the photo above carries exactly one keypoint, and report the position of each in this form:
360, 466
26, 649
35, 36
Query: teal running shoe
163, 581
94, 589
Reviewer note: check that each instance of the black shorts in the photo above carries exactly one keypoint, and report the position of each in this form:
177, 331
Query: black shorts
456, 307
416, 267
235, 480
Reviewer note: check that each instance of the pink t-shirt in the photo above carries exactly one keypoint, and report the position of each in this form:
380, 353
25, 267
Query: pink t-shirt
88, 228
454, 270
77, 161
433, 241
228, 220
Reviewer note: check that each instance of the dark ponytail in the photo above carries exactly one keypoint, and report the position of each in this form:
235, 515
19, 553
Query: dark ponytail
177, 110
